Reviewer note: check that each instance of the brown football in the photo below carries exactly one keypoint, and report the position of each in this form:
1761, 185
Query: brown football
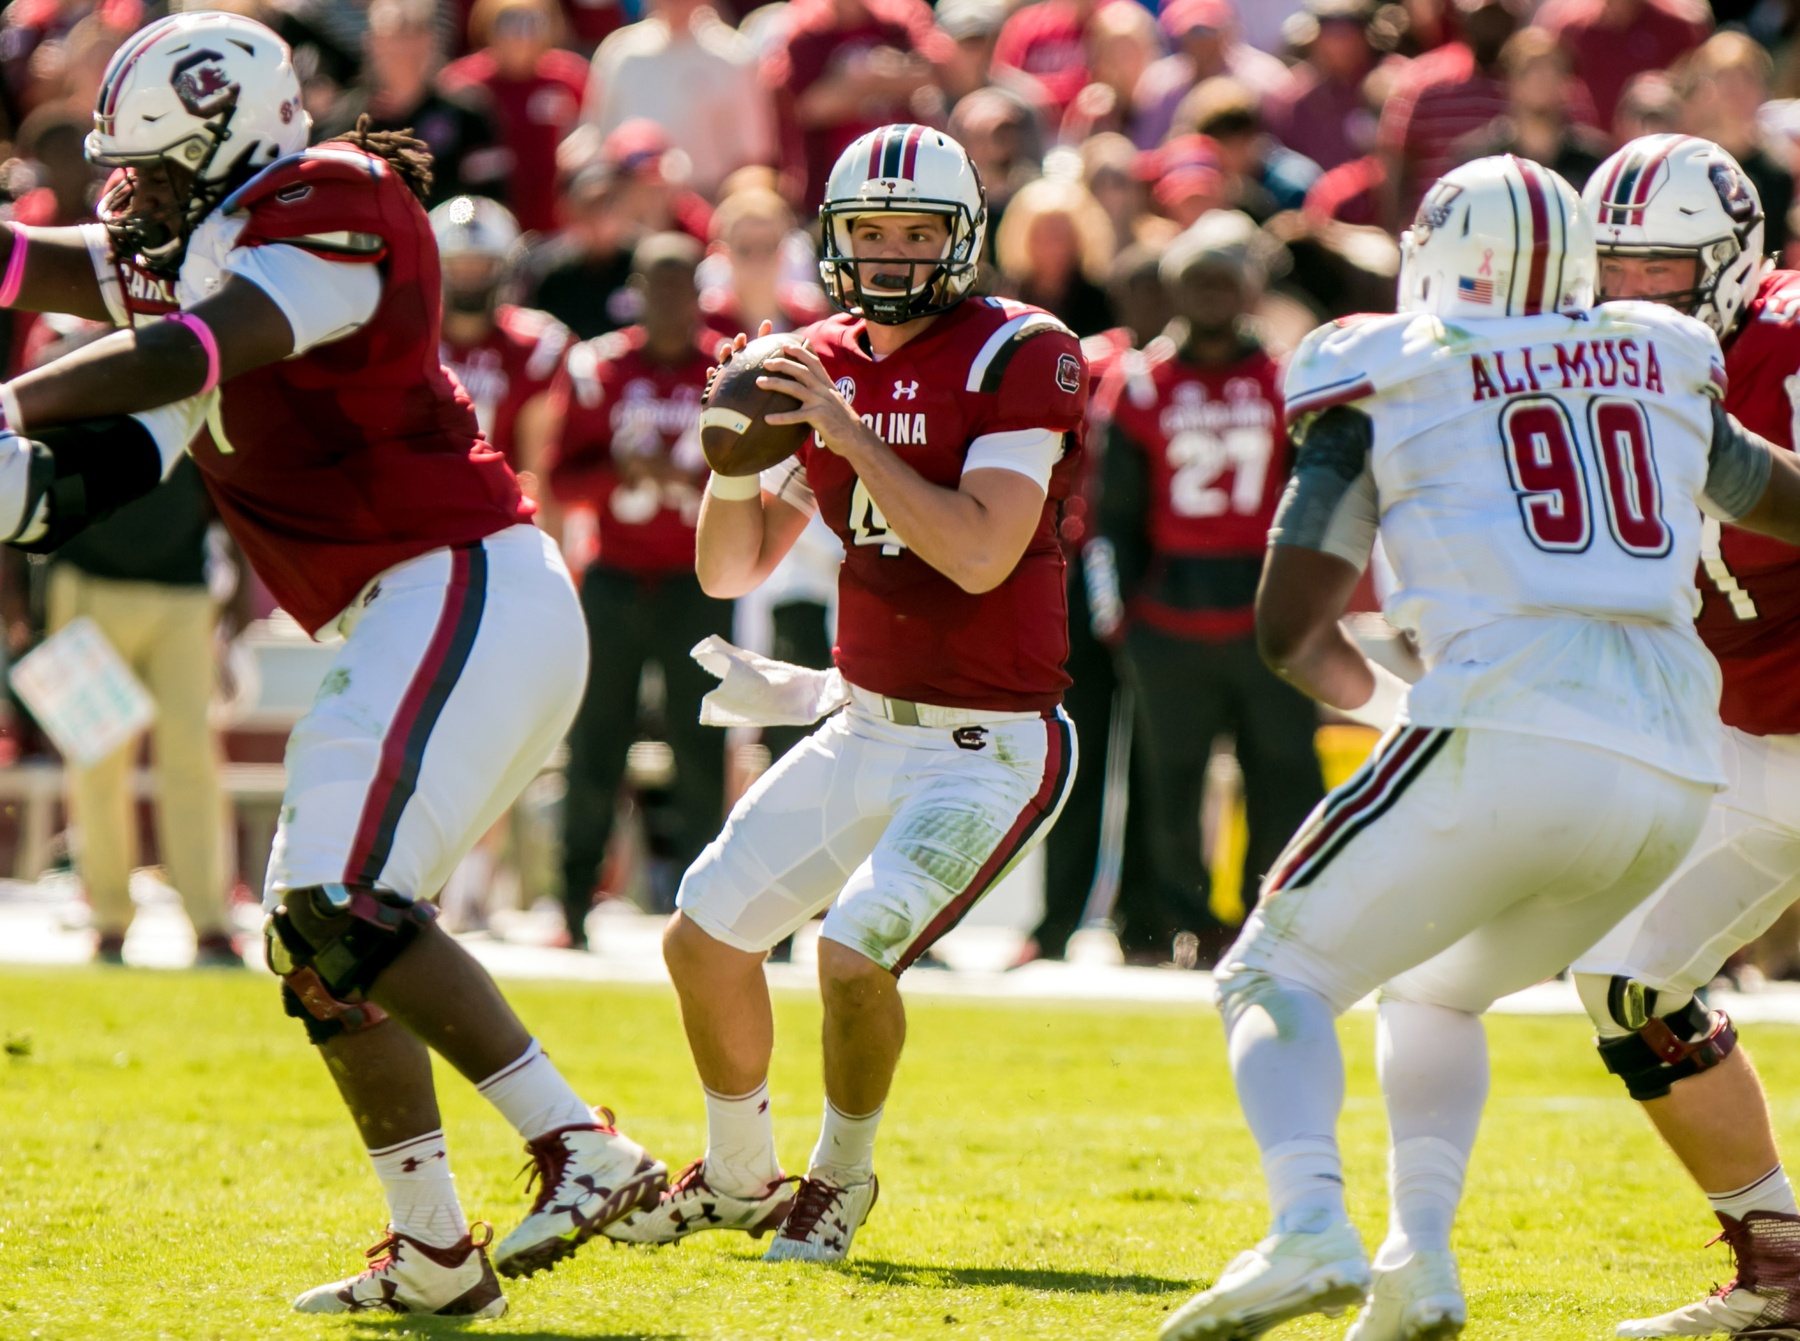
734, 433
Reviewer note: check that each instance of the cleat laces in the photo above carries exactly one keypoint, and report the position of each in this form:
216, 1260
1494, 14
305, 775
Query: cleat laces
813, 1201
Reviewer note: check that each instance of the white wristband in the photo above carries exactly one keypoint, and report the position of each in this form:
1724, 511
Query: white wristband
9, 408
1383, 706
734, 488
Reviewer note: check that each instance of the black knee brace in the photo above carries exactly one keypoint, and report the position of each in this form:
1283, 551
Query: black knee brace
329, 943
1666, 1048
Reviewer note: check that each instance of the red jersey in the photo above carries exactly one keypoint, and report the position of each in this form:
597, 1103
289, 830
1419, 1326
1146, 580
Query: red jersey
535, 114
1750, 589
513, 362
1215, 455
905, 630
333, 466
614, 408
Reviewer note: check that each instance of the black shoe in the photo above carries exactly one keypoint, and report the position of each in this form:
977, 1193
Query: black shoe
109, 948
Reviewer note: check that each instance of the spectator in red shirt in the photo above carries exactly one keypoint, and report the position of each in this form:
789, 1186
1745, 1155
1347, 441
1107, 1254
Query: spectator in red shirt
847, 67
1048, 41
1446, 94
1324, 115
973, 29
536, 89
1610, 41
627, 445
1122, 43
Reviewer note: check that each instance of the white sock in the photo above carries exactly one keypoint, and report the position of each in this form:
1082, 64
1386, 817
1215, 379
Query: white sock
740, 1142
1290, 1083
532, 1095
1306, 1185
1771, 1192
1434, 1075
421, 1195
845, 1153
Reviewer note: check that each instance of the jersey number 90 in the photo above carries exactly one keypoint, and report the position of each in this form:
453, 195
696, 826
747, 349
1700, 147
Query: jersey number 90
1549, 466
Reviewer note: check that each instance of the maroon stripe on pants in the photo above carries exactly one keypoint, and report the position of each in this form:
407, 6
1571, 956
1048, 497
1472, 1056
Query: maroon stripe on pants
1367, 795
1031, 818
399, 732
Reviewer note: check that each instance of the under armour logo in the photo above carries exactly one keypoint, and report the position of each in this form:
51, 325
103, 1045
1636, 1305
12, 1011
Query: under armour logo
970, 737
906, 390
412, 1163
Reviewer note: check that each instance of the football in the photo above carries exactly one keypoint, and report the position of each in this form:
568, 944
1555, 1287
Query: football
734, 431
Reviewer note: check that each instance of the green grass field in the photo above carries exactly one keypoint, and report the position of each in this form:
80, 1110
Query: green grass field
173, 1163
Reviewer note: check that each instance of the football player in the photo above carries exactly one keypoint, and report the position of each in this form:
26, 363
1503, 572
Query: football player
301, 360
945, 429
504, 355
1535, 471
1678, 221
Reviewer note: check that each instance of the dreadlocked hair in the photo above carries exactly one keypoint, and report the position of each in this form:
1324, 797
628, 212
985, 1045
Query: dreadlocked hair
401, 150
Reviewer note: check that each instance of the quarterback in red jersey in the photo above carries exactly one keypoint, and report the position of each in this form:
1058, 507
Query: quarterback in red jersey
504, 356
945, 432
300, 370
1679, 222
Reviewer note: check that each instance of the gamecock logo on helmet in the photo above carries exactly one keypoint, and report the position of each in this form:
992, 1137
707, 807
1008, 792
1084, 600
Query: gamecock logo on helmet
1734, 191
1434, 210
202, 85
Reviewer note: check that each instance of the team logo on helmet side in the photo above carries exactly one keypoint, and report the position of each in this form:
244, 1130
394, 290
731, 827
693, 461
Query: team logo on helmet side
202, 85
1734, 191
1434, 210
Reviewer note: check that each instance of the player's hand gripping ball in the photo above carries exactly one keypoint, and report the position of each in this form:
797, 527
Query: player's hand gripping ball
734, 432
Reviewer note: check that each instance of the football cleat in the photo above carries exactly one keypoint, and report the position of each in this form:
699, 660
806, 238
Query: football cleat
406, 1276
1420, 1300
1761, 1300
691, 1204
586, 1178
822, 1220
1285, 1276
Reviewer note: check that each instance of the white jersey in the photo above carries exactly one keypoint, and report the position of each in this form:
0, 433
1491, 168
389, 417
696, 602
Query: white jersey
1538, 484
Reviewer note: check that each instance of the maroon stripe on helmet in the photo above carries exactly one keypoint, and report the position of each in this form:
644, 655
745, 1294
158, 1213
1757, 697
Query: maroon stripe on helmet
1641, 197
1540, 236
911, 152
876, 145
109, 95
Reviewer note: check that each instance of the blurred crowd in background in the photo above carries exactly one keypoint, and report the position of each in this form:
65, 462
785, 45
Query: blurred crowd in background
1240, 170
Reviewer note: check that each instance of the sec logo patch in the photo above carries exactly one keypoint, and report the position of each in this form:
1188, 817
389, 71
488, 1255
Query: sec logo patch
1068, 373
846, 387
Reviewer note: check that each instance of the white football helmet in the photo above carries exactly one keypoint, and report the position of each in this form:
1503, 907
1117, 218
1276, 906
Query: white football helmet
207, 97
473, 229
906, 170
1499, 237
1679, 196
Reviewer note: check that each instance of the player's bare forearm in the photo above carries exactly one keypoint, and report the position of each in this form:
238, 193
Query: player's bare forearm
740, 541
1777, 512
58, 273
974, 534
157, 364
1298, 605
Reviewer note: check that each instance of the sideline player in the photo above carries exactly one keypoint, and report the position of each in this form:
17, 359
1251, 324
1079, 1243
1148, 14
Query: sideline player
304, 355
504, 355
1535, 472
946, 430
1678, 221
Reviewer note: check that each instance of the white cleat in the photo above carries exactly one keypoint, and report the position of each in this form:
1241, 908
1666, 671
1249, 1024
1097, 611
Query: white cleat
587, 1178
822, 1220
1285, 1276
1420, 1300
692, 1204
406, 1276
1762, 1300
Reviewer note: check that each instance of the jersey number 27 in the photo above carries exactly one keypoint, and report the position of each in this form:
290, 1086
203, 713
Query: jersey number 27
1550, 469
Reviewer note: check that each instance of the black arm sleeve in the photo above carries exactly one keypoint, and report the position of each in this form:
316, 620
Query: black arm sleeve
1737, 468
1125, 507
1330, 503
84, 472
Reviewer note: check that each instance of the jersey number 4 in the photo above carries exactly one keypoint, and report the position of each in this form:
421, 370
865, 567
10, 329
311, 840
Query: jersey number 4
1551, 472
868, 526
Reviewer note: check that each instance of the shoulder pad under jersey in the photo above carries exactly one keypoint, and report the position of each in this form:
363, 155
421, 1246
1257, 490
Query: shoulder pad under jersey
326, 199
1354, 358
1020, 324
1688, 349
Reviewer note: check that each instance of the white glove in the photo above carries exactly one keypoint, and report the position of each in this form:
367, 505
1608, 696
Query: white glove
760, 691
